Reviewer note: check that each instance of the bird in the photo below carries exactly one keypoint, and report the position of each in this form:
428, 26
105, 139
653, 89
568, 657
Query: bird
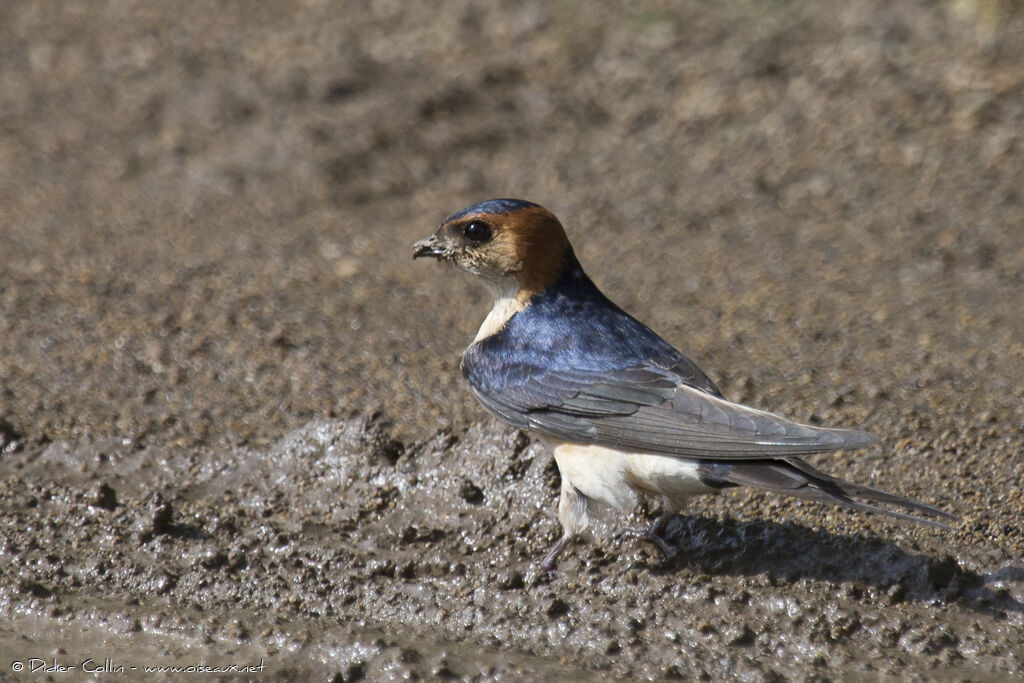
625, 413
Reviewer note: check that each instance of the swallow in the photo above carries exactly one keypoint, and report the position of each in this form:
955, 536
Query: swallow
626, 414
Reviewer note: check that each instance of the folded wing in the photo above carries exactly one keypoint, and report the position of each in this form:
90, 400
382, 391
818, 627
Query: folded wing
650, 409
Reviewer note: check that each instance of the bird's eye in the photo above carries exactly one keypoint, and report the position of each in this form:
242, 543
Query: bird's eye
477, 231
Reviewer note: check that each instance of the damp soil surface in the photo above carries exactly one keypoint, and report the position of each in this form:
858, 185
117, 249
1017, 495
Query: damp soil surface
233, 433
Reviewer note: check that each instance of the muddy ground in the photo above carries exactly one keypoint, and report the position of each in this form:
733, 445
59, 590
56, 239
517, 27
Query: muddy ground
232, 427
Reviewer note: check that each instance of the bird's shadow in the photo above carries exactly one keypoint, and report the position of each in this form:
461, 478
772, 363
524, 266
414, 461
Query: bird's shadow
787, 552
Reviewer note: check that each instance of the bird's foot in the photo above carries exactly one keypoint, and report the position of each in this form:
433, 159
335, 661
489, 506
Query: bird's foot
655, 533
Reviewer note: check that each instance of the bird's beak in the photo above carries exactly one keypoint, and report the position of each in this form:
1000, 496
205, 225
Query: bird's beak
428, 246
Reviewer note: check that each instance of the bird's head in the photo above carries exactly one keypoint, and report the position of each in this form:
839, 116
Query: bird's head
514, 246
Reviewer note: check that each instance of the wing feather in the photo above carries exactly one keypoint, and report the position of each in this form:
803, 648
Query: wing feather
652, 409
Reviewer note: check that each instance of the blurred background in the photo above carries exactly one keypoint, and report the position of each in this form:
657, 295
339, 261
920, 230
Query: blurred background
207, 209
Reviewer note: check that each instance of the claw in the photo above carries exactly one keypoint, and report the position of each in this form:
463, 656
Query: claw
655, 534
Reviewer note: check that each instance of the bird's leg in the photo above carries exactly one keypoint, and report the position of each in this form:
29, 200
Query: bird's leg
550, 561
573, 513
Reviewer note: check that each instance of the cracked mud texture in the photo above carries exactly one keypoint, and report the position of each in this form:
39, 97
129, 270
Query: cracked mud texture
232, 425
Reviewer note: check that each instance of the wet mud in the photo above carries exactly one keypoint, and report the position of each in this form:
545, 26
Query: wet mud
233, 431
343, 551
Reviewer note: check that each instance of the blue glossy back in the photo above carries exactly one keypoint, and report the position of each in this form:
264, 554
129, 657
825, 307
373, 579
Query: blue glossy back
569, 327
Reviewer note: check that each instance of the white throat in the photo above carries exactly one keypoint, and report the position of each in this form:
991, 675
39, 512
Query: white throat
506, 305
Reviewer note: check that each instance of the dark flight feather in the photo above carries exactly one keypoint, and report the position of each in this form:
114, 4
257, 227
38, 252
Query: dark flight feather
796, 478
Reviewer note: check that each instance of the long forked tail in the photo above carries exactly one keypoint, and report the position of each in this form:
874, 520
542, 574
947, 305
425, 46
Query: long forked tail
795, 477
